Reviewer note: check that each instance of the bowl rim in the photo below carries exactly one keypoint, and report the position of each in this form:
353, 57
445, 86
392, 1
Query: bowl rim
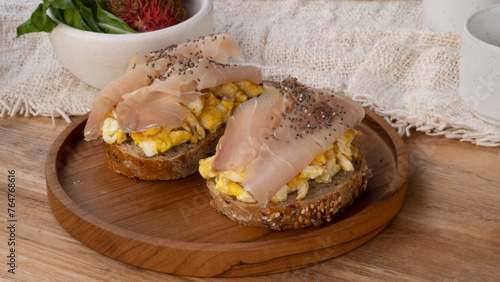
473, 16
205, 9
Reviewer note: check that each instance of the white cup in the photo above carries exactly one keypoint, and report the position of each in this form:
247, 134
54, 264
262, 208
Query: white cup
449, 15
480, 64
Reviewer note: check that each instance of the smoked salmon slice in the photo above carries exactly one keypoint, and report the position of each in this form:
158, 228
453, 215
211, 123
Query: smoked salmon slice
217, 48
275, 136
160, 103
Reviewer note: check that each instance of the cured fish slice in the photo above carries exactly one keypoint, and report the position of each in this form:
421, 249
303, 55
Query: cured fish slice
112, 94
158, 104
217, 47
310, 122
317, 120
190, 75
142, 112
238, 147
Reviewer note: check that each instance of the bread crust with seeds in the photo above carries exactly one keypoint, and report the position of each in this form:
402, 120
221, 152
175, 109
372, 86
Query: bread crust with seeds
322, 203
177, 162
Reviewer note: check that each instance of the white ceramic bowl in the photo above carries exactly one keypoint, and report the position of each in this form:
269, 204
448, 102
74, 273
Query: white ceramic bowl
480, 64
450, 15
98, 58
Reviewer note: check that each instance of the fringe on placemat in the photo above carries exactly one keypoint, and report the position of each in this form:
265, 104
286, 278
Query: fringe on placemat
432, 124
25, 107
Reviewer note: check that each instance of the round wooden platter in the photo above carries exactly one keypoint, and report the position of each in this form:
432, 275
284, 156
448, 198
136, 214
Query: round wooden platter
169, 226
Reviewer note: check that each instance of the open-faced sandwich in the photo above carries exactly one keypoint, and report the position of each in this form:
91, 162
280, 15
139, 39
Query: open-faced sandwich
288, 159
161, 117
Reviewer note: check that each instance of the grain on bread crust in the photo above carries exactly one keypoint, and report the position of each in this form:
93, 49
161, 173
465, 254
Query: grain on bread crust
323, 201
177, 162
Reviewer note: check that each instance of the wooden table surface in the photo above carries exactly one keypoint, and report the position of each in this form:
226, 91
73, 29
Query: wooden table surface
447, 229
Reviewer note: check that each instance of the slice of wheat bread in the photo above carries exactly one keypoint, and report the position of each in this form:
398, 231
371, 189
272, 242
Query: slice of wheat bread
323, 201
178, 162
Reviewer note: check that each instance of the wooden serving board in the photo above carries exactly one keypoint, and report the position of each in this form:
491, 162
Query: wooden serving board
169, 226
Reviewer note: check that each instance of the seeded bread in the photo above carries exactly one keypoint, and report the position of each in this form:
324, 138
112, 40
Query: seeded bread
323, 201
178, 162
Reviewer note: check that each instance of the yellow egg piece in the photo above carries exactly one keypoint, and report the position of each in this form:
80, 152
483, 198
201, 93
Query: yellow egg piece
152, 131
205, 168
227, 186
251, 89
179, 137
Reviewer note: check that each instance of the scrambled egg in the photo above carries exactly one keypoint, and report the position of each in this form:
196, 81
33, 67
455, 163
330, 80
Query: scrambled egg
209, 112
321, 169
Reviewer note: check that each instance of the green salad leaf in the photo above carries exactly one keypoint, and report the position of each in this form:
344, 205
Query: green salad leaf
110, 23
73, 18
39, 21
86, 15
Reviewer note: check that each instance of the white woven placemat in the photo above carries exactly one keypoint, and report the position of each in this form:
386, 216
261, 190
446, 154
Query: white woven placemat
379, 52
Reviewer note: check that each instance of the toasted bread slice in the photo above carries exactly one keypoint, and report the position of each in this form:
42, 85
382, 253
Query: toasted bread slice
323, 201
178, 162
